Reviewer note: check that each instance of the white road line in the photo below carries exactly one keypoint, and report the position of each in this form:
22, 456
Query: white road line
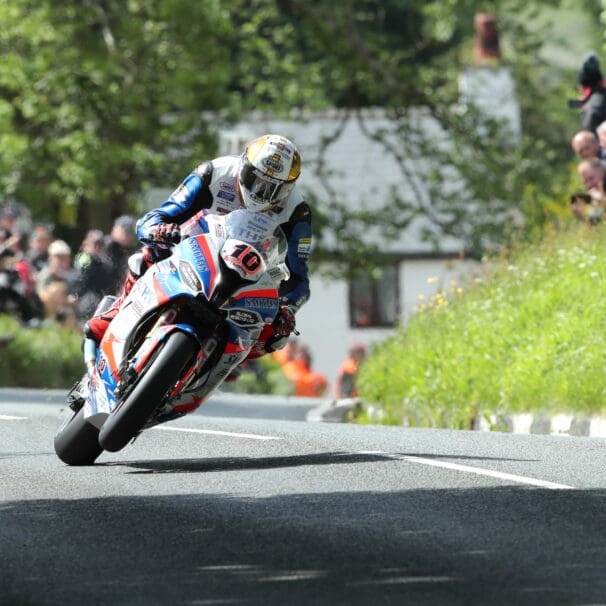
11, 418
249, 436
477, 470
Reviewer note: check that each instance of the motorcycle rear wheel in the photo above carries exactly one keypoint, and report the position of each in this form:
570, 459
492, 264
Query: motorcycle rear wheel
77, 441
126, 422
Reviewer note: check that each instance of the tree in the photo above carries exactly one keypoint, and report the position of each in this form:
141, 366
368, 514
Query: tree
100, 100
94, 94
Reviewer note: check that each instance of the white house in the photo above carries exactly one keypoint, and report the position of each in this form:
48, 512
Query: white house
341, 313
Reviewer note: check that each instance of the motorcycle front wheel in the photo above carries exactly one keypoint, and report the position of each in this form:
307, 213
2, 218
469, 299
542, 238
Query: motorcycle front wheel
174, 356
77, 441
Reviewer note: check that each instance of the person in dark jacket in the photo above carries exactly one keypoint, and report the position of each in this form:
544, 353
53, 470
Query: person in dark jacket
119, 245
94, 274
593, 101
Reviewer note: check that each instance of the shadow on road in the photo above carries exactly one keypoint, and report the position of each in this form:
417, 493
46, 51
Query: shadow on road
206, 465
506, 545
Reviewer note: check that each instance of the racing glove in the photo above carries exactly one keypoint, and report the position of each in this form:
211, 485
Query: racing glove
164, 234
284, 322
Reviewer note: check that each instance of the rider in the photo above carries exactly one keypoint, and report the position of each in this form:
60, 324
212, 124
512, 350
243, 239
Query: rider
261, 179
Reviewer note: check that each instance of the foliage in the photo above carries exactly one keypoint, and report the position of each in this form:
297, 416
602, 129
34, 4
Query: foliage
261, 376
528, 333
46, 357
101, 100
93, 94
50, 357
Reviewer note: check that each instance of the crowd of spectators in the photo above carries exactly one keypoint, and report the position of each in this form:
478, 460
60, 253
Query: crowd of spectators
296, 363
43, 279
589, 143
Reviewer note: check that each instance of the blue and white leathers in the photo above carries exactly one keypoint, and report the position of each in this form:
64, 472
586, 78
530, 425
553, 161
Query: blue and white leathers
213, 186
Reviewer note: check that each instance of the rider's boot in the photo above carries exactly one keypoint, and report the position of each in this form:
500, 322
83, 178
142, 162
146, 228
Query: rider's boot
95, 328
137, 265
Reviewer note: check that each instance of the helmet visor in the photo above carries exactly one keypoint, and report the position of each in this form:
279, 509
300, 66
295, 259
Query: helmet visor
262, 187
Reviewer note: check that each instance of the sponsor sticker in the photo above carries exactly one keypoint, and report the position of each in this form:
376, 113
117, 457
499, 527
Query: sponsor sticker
226, 196
198, 254
274, 163
243, 317
260, 302
304, 247
189, 276
227, 186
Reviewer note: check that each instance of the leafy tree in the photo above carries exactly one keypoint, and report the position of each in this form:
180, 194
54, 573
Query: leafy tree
97, 98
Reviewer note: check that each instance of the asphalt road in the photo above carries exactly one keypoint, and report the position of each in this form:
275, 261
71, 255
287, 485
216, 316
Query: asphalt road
214, 510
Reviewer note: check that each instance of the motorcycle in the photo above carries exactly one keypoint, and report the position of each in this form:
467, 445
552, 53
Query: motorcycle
187, 323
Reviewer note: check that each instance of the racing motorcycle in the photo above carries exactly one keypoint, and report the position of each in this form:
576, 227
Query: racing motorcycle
187, 323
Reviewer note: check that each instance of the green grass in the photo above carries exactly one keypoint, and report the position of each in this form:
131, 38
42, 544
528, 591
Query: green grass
45, 357
528, 335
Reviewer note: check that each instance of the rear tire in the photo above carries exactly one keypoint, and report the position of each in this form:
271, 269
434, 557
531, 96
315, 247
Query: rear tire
77, 442
125, 423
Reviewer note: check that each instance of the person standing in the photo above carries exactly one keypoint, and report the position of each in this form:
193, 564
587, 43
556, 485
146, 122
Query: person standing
593, 87
345, 383
119, 245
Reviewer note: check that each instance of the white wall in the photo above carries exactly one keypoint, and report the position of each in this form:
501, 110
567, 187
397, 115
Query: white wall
324, 321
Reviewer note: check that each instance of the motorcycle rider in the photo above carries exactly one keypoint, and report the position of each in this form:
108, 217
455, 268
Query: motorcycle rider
261, 179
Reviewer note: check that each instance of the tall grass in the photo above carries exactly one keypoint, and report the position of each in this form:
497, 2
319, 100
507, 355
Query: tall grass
527, 335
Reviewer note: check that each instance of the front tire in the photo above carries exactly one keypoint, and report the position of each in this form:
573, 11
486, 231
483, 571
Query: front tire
77, 441
126, 422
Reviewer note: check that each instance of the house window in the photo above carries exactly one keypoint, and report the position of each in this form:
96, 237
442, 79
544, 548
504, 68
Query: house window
374, 298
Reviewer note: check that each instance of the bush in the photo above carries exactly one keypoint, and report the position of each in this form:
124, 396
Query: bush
527, 335
50, 357
45, 357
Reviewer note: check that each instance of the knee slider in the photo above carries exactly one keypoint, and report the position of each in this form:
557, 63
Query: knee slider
137, 264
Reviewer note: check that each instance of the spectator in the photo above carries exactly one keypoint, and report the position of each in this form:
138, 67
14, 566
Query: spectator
8, 219
94, 275
593, 100
309, 383
587, 145
345, 383
59, 267
119, 245
37, 253
17, 286
591, 207
59, 304
601, 132
287, 353
298, 371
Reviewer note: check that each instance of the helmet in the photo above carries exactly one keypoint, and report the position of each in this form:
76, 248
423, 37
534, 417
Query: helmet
269, 167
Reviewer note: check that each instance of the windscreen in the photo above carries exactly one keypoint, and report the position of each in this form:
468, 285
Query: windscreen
259, 230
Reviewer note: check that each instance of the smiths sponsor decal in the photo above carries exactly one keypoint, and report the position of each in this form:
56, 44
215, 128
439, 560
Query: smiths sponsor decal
304, 247
260, 302
274, 163
198, 254
189, 276
244, 317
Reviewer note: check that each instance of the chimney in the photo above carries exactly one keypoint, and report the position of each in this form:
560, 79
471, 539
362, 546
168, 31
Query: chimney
486, 50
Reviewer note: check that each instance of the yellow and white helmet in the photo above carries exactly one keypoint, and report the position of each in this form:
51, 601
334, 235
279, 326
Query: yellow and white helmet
269, 167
